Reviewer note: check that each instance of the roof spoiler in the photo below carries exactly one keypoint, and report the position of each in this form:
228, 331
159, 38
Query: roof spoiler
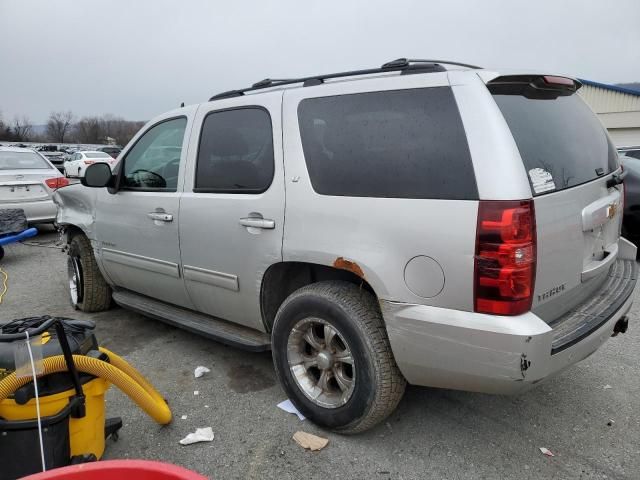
542, 87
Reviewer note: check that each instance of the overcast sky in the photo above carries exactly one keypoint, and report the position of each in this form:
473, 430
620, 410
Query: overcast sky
139, 58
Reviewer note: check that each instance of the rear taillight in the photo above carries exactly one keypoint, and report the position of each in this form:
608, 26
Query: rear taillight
56, 182
554, 80
505, 260
89, 162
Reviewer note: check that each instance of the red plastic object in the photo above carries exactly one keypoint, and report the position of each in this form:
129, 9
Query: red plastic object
119, 470
505, 260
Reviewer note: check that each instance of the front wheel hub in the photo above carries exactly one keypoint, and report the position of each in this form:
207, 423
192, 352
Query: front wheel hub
74, 273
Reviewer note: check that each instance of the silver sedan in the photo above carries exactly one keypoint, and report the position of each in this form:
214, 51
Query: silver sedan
27, 181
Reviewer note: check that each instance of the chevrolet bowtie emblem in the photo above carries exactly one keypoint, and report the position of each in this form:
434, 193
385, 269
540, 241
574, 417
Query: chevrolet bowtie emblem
611, 210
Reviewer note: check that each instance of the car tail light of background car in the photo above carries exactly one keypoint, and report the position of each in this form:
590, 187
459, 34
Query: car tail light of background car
505, 259
57, 182
89, 162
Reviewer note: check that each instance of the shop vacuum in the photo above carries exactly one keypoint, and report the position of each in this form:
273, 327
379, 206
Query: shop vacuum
59, 419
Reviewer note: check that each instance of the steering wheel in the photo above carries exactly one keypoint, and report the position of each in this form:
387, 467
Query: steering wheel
159, 179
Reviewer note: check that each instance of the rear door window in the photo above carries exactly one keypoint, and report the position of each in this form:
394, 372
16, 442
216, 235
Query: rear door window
235, 154
561, 141
392, 144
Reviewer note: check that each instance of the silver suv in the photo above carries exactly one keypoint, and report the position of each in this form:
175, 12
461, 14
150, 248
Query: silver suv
423, 222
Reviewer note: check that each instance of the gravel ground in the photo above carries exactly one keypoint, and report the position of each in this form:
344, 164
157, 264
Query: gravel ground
438, 434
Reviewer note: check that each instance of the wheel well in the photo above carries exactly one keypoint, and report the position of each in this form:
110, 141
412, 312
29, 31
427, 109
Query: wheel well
71, 231
282, 279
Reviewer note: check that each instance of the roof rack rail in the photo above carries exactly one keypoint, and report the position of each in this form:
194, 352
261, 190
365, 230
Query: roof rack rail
405, 62
403, 65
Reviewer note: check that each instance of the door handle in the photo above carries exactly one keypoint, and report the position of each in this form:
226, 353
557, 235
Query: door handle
257, 222
160, 216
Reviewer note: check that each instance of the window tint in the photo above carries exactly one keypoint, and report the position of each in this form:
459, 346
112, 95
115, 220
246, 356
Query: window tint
632, 153
154, 160
561, 141
97, 155
236, 152
21, 161
404, 144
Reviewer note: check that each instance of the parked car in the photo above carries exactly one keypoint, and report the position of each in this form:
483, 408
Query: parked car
633, 152
114, 151
450, 228
631, 220
55, 156
79, 161
27, 181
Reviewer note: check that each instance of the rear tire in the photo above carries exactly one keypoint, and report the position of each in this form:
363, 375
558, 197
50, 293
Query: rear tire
348, 381
88, 290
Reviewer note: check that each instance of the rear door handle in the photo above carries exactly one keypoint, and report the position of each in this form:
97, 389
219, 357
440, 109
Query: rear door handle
160, 216
257, 222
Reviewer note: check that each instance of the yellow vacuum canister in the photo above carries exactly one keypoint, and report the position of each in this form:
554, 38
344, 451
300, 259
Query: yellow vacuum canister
73, 375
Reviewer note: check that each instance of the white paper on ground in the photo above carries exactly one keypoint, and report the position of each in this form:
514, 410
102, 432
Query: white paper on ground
547, 452
200, 435
200, 371
288, 407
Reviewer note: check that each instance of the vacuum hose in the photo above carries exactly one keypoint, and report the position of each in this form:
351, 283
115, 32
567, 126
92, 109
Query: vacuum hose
118, 372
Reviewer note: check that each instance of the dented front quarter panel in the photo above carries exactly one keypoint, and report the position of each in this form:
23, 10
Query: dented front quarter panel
76, 207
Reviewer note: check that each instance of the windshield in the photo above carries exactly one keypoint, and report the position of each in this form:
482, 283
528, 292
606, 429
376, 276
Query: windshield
97, 155
22, 161
561, 141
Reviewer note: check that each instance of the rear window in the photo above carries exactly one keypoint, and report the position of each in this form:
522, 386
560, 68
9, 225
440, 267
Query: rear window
632, 153
97, 155
393, 144
561, 141
22, 161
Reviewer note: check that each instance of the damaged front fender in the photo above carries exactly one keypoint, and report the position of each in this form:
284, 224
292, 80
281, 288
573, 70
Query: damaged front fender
76, 207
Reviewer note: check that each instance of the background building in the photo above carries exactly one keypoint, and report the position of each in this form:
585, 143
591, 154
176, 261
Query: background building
618, 108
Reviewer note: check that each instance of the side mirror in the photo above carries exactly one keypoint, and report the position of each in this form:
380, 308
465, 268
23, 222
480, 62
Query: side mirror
97, 175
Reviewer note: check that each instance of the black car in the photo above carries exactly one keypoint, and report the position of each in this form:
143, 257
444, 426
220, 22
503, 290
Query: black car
631, 219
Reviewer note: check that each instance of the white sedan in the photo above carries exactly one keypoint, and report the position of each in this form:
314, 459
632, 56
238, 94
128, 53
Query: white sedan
79, 161
27, 181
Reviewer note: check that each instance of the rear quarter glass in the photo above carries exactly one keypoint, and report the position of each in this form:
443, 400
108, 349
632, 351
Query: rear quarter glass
561, 141
391, 144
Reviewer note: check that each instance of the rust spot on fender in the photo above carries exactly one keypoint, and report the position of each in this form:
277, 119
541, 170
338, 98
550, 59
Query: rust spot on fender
349, 266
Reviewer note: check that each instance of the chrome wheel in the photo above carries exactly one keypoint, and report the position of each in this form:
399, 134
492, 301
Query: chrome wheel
74, 272
321, 362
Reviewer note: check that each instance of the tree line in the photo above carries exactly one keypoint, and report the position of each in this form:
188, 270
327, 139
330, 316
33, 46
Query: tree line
63, 127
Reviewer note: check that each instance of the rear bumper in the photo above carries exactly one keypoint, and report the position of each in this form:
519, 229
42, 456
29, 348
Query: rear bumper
43, 211
493, 354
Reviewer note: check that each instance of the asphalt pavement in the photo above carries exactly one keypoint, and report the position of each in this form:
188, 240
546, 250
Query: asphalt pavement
588, 416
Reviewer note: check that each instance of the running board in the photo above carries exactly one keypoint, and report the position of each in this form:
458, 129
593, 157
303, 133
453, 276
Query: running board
205, 325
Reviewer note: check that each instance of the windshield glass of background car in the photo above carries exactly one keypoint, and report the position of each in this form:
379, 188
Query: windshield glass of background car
22, 161
97, 155
390, 144
154, 160
561, 141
